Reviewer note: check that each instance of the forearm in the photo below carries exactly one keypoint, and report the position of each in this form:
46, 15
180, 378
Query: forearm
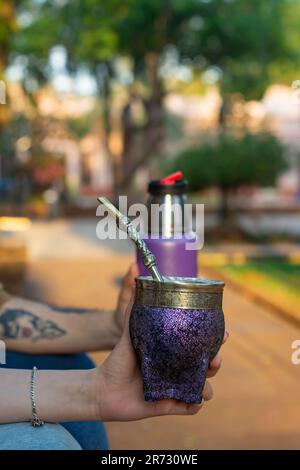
35, 328
60, 396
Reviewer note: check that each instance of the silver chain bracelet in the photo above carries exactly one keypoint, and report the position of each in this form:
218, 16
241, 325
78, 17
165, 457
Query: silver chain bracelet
35, 420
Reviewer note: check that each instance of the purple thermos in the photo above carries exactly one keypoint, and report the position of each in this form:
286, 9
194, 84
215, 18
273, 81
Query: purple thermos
168, 229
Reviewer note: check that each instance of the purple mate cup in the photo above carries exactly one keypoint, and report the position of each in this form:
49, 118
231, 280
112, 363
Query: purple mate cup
176, 328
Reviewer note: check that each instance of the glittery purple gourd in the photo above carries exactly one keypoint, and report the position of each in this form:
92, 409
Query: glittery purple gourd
176, 328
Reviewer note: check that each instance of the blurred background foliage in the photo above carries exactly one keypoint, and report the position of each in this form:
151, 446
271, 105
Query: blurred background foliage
138, 53
229, 162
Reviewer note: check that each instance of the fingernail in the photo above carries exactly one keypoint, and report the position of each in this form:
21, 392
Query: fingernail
226, 336
219, 362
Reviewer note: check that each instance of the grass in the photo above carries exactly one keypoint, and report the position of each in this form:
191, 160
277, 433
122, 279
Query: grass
278, 281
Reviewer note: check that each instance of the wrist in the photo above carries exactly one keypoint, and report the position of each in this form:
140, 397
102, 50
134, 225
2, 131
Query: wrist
99, 395
65, 395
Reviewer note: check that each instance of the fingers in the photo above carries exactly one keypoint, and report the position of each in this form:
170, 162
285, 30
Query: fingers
216, 363
208, 392
214, 366
174, 407
181, 408
226, 336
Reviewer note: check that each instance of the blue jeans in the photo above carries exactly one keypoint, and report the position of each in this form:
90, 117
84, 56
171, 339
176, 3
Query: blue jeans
22, 436
90, 435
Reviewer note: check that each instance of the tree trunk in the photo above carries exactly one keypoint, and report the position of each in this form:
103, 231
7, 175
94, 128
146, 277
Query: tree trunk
155, 102
228, 219
152, 133
104, 75
106, 109
224, 206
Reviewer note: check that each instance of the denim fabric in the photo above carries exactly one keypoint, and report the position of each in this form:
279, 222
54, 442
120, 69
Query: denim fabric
22, 436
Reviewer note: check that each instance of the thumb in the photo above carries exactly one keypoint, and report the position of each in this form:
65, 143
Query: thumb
128, 282
130, 304
125, 335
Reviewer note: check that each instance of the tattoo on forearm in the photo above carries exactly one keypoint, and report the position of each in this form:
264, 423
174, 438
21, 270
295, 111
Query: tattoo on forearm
21, 324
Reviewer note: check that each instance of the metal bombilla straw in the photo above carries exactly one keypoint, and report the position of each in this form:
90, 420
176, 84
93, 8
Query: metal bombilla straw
124, 223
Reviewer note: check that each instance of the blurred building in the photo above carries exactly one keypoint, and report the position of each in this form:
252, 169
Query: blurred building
87, 166
278, 111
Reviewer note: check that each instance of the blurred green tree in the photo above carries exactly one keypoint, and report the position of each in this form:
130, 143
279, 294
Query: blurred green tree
244, 42
229, 162
7, 28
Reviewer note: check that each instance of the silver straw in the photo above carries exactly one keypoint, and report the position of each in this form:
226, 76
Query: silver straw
124, 223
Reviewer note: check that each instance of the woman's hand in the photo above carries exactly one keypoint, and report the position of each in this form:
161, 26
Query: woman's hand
125, 294
118, 387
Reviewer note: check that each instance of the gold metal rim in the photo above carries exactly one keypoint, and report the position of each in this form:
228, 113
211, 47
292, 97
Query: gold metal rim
182, 284
185, 294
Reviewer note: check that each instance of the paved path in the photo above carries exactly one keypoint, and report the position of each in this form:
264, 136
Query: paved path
76, 238
256, 402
